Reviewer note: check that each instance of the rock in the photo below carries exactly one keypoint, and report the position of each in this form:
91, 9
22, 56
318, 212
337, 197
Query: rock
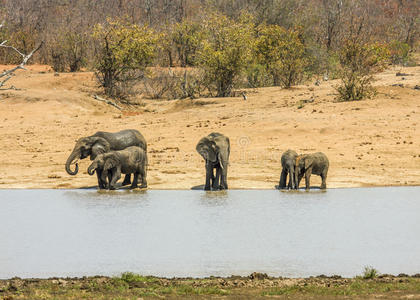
403, 74
417, 87
258, 276
398, 84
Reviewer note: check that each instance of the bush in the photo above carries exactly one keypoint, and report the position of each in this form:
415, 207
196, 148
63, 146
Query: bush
174, 84
68, 53
123, 52
161, 84
399, 52
370, 273
282, 52
225, 52
358, 62
257, 76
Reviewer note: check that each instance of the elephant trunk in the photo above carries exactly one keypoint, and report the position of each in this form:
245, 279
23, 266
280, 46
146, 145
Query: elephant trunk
292, 178
75, 155
91, 170
296, 176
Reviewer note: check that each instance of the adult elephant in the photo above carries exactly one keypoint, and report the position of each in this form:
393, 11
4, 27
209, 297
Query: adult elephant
102, 142
215, 149
288, 161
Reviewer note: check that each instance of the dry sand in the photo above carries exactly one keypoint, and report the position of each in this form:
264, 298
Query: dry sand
369, 143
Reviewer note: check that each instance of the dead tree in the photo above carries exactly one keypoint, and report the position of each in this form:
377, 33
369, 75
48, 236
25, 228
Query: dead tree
7, 74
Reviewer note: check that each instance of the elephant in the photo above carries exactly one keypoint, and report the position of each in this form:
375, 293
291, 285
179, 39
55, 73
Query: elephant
307, 164
98, 166
130, 160
215, 149
288, 160
102, 142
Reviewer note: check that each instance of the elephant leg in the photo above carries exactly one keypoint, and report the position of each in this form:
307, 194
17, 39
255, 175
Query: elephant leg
308, 179
135, 180
299, 179
209, 176
127, 179
115, 177
101, 184
216, 180
283, 177
223, 179
324, 180
143, 174
109, 179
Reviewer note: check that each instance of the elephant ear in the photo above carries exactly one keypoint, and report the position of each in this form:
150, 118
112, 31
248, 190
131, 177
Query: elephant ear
308, 162
110, 163
98, 149
98, 145
207, 149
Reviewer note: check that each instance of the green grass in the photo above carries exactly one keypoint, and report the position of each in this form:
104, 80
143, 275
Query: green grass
356, 287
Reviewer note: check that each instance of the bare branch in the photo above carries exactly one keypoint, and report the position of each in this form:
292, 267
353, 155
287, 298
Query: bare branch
107, 101
25, 59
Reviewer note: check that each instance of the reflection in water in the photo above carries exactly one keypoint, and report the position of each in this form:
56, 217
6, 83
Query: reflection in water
214, 198
195, 233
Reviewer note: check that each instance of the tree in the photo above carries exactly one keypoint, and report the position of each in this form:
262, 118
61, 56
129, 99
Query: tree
282, 52
123, 52
225, 51
186, 37
358, 61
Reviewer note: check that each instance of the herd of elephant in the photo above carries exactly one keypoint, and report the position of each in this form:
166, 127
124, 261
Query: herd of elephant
125, 152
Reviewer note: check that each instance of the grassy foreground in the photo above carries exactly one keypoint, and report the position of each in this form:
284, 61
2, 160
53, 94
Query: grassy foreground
257, 285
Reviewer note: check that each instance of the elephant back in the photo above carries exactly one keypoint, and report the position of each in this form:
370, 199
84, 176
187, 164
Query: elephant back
123, 139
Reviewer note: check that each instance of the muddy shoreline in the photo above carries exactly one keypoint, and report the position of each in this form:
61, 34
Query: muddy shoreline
256, 285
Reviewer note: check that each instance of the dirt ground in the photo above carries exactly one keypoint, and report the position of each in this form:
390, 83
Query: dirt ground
369, 143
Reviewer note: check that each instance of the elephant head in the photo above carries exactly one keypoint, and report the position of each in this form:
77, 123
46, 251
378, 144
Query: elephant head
208, 149
303, 162
84, 147
110, 162
98, 163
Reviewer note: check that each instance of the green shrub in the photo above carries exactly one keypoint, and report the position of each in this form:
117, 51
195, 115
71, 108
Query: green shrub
68, 52
282, 52
358, 62
399, 52
186, 37
370, 273
225, 51
123, 52
257, 76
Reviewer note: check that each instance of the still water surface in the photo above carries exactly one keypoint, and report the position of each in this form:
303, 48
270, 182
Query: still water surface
46, 233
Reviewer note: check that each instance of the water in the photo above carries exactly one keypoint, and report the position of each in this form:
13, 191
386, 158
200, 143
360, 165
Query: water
46, 233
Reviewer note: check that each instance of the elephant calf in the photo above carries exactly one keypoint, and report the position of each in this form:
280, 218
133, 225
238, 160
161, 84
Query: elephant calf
307, 164
130, 160
288, 161
215, 149
98, 166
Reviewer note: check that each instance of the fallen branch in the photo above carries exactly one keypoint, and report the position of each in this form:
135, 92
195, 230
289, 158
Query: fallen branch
96, 97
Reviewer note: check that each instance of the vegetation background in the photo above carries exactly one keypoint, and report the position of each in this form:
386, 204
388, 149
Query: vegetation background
214, 47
